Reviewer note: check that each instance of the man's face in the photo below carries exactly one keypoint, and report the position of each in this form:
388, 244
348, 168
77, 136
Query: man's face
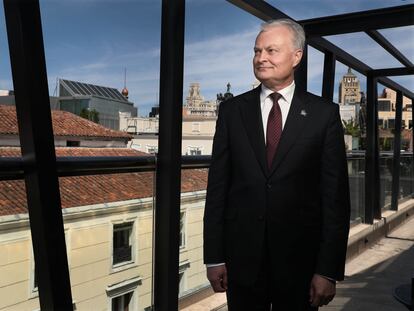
275, 57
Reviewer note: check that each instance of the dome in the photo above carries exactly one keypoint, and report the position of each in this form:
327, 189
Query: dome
125, 92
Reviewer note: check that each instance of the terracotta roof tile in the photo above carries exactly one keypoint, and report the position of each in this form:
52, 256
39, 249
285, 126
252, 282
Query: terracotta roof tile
64, 124
79, 152
93, 189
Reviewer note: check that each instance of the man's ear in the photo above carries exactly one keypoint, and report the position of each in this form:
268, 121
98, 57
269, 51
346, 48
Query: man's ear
297, 57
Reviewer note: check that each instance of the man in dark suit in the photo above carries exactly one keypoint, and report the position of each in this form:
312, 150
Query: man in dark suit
276, 218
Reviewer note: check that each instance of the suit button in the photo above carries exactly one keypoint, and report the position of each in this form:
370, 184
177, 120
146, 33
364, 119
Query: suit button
260, 217
269, 186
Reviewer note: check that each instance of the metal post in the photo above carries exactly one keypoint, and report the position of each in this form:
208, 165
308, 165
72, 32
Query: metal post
412, 150
395, 193
167, 209
301, 73
372, 207
38, 152
328, 81
412, 288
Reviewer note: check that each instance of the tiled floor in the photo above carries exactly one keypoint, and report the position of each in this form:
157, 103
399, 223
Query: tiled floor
370, 277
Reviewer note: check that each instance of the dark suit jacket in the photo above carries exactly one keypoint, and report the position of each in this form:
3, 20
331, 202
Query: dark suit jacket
299, 209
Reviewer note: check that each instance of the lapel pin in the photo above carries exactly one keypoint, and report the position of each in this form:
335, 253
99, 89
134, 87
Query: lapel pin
303, 113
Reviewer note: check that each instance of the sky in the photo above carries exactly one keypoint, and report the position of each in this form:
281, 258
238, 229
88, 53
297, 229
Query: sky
93, 41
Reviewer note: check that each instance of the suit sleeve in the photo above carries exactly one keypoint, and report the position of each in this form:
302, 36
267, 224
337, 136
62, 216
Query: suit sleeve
335, 201
217, 191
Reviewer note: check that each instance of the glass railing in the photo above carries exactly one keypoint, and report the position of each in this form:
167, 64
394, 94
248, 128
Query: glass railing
406, 177
356, 173
385, 174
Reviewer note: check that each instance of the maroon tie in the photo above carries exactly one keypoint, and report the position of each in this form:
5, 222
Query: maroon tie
274, 129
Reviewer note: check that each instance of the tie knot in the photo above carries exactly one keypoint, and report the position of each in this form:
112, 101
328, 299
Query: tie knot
275, 97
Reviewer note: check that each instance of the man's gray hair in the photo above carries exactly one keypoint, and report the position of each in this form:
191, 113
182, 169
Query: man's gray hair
295, 28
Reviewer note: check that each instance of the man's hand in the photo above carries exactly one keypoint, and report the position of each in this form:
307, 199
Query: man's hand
217, 276
321, 291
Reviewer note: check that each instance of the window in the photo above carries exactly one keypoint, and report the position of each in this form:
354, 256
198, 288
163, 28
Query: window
384, 105
122, 243
123, 295
72, 143
194, 150
33, 282
380, 123
152, 149
122, 303
181, 284
182, 229
196, 127
391, 123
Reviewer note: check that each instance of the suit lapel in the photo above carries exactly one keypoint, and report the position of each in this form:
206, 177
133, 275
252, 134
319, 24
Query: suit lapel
252, 120
293, 127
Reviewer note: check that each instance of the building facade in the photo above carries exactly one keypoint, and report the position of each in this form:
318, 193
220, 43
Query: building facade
77, 97
349, 89
108, 221
197, 134
69, 130
195, 104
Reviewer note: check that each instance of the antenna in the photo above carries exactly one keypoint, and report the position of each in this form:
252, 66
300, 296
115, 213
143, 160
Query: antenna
125, 77
56, 87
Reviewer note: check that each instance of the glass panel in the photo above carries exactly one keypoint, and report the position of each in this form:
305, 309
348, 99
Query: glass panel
386, 125
406, 177
108, 219
349, 92
404, 81
356, 172
109, 227
129, 42
193, 284
315, 71
18, 283
6, 83
385, 164
402, 38
367, 50
219, 41
406, 160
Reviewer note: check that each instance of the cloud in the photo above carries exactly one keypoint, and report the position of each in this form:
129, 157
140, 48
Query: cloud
216, 61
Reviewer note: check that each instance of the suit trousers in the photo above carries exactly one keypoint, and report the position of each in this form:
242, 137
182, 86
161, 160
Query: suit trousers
267, 293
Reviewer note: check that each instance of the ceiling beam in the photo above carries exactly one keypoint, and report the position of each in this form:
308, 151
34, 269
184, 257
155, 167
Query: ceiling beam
403, 71
259, 8
391, 17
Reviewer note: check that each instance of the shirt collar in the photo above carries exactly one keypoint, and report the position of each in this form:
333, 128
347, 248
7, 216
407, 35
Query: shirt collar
286, 92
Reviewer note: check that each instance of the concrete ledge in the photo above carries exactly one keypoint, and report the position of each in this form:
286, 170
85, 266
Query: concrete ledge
362, 236
195, 297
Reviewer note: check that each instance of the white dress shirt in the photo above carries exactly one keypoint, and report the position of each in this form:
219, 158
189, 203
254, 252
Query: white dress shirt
266, 103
